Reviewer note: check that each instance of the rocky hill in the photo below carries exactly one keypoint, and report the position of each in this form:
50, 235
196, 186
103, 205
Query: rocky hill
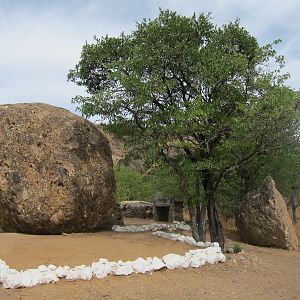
118, 152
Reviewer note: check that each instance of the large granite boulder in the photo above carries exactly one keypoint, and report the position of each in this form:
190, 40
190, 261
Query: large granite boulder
56, 172
262, 218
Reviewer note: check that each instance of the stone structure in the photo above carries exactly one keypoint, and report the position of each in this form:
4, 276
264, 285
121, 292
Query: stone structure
56, 172
262, 219
167, 210
137, 209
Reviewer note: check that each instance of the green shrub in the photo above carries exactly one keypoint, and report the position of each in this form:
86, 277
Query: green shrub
132, 185
237, 248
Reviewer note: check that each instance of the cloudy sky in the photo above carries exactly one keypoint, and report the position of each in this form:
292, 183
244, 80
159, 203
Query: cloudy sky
42, 39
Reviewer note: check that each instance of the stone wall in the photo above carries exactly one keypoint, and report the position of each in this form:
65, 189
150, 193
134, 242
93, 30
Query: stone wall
137, 209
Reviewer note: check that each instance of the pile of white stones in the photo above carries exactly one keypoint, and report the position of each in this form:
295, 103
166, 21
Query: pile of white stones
11, 278
211, 253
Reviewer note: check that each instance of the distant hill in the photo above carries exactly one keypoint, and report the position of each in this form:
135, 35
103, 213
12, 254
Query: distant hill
118, 152
117, 148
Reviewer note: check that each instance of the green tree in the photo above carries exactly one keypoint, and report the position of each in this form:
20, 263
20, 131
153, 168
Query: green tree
165, 182
181, 91
140, 185
133, 185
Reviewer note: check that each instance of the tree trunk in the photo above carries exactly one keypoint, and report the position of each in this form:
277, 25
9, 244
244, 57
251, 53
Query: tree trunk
200, 211
215, 227
201, 214
193, 222
294, 208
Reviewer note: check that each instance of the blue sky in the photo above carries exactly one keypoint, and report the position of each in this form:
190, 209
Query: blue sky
42, 39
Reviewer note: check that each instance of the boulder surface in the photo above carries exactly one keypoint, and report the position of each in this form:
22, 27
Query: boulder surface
262, 219
56, 172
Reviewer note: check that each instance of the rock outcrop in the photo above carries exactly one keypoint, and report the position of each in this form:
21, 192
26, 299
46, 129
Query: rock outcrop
137, 209
56, 172
262, 218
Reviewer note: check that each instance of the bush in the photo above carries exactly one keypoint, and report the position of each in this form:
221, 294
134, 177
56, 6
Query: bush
237, 248
132, 185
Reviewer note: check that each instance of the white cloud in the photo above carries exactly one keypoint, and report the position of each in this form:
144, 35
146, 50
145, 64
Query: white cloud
42, 40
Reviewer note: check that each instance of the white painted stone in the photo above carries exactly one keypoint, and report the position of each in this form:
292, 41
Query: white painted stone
52, 267
61, 272
12, 281
157, 263
141, 265
185, 261
124, 269
73, 275
86, 274
172, 261
42, 268
101, 268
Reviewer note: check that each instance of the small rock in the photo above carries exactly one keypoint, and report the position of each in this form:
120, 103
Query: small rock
230, 251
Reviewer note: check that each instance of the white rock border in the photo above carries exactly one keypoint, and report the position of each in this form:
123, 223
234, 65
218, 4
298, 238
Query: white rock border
184, 239
156, 230
11, 278
152, 227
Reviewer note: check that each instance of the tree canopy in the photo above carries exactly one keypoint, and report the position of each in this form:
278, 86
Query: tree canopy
182, 91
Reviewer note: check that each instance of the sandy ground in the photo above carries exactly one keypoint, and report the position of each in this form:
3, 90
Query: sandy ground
257, 273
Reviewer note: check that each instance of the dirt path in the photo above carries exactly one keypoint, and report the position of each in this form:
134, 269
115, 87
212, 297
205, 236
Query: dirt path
28, 251
258, 273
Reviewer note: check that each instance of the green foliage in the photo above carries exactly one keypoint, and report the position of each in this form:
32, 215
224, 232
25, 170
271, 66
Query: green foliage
229, 194
165, 183
237, 248
184, 92
284, 167
136, 185
133, 185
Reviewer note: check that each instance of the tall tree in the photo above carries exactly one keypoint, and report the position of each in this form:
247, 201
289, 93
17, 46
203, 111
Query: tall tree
182, 91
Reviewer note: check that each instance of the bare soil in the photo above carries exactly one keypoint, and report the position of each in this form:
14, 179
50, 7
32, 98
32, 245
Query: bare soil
256, 273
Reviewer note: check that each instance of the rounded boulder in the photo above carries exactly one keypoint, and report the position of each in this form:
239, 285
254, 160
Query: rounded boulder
56, 172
